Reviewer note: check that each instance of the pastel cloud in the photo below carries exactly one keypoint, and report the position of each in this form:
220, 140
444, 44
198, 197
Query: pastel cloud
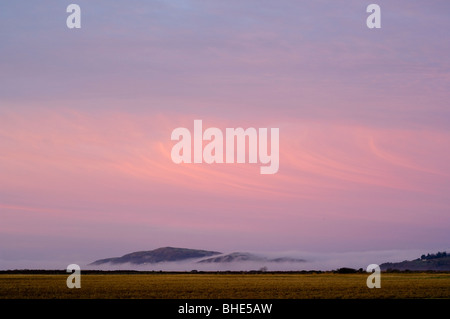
117, 167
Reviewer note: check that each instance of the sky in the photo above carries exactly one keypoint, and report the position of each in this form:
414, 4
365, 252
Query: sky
86, 117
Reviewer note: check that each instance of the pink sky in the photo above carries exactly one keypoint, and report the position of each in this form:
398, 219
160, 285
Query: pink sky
86, 118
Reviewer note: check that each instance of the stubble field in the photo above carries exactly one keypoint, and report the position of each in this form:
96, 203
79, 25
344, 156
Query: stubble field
225, 286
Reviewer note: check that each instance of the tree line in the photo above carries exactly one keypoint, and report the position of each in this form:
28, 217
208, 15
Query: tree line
434, 256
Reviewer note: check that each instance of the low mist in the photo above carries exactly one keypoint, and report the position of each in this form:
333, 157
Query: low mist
313, 261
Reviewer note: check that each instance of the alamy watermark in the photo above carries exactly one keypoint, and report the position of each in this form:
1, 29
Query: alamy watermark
234, 142
374, 280
74, 280
373, 21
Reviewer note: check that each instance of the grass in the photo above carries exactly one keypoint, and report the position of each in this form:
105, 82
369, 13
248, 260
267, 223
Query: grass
225, 286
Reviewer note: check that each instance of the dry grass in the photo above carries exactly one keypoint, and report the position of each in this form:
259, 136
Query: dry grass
226, 286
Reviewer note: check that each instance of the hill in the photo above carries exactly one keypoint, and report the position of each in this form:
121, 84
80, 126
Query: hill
437, 262
233, 257
238, 257
163, 254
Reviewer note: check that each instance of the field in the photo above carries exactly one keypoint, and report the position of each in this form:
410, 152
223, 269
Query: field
225, 286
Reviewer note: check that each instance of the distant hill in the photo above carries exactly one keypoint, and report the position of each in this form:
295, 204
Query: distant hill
233, 257
170, 254
238, 256
163, 254
439, 262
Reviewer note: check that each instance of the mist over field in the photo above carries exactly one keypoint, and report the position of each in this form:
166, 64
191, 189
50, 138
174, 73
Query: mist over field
313, 261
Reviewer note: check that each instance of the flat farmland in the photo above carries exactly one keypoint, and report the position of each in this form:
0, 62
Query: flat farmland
225, 286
